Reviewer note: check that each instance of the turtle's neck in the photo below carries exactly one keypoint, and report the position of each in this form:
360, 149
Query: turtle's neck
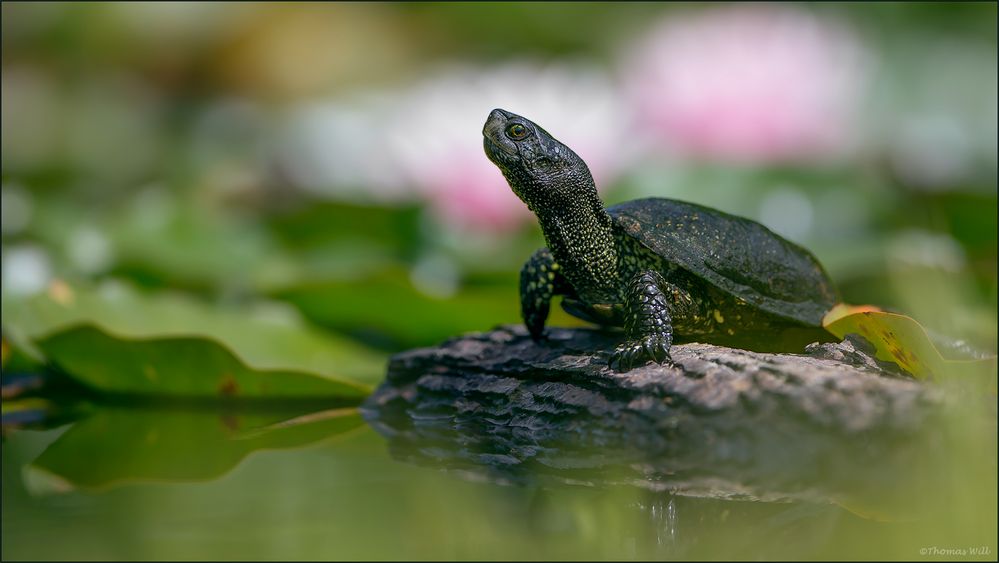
580, 236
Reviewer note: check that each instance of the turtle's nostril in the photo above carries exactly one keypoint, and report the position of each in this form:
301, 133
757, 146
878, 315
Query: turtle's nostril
502, 113
494, 123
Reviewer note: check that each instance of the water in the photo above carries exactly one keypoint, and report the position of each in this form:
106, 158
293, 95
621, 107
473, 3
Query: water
161, 482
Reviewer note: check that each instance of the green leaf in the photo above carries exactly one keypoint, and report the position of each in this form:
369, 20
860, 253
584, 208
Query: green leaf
900, 339
389, 304
179, 367
169, 334
125, 445
14, 358
318, 225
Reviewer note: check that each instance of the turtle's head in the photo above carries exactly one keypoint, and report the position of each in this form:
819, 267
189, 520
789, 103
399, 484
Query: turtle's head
541, 171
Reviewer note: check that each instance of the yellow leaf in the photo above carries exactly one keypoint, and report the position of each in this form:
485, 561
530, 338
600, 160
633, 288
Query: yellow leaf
900, 339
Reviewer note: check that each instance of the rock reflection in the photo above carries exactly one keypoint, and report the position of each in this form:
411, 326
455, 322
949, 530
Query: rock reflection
496, 407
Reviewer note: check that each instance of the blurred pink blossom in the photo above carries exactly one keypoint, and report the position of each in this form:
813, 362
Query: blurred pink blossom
436, 138
756, 83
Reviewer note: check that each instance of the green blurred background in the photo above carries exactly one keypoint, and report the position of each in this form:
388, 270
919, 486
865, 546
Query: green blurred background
328, 155
321, 165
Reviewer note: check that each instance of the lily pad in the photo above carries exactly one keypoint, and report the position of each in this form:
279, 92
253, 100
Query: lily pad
389, 305
179, 367
118, 445
122, 341
900, 339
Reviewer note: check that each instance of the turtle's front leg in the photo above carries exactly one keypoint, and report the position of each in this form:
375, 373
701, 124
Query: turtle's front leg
540, 279
650, 305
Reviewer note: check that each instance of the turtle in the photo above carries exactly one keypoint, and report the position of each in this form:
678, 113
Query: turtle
653, 266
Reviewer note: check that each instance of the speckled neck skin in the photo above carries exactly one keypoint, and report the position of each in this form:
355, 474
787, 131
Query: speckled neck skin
557, 186
580, 238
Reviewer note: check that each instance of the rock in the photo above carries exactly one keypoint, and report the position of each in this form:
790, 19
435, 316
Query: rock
723, 422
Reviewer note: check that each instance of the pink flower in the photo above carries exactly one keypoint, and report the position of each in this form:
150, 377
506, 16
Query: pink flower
435, 136
424, 141
751, 83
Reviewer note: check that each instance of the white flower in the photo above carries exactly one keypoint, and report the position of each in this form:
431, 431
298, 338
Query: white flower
425, 141
436, 134
337, 149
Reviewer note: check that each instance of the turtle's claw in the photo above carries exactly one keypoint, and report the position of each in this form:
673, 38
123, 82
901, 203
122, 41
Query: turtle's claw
653, 348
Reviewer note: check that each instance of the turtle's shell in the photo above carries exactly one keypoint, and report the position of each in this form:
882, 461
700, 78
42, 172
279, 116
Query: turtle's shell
738, 256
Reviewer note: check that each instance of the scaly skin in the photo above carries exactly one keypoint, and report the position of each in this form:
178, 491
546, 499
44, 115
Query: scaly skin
582, 254
647, 322
605, 274
540, 279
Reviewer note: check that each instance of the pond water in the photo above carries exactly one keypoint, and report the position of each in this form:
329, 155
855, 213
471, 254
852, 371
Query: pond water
188, 483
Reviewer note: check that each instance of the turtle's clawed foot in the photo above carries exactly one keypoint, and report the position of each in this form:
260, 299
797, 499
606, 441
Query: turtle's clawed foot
634, 353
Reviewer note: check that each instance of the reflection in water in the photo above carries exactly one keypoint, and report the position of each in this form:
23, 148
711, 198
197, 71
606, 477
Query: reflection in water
664, 519
174, 444
698, 477
539, 432
345, 499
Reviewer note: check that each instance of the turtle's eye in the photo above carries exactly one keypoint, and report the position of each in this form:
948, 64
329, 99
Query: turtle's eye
516, 131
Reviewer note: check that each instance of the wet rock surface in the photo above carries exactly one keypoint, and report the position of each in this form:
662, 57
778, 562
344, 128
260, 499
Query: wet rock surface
722, 422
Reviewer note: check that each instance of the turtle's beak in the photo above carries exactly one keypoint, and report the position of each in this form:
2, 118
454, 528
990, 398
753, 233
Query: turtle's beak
492, 131
501, 114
